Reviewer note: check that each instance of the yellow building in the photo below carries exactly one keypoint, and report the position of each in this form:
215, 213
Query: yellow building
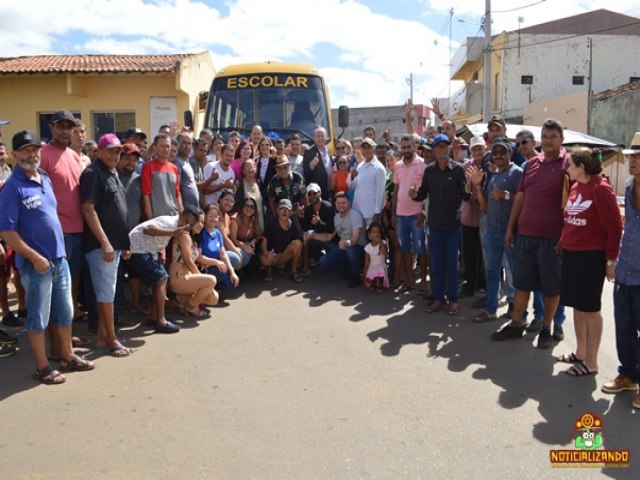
110, 93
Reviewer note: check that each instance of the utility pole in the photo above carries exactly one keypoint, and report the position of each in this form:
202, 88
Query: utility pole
590, 86
486, 108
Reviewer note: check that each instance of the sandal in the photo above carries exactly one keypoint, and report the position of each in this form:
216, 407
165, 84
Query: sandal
568, 358
268, 277
296, 277
484, 317
199, 313
76, 364
78, 342
435, 306
579, 369
118, 351
453, 309
404, 288
49, 376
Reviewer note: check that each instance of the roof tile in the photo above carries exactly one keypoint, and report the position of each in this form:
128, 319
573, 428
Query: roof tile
90, 63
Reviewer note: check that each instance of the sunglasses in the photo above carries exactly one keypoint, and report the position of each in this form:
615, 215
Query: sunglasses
249, 206
340, 148
265, 145
343, 163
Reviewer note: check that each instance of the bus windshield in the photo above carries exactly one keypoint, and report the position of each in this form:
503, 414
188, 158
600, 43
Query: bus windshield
281, 103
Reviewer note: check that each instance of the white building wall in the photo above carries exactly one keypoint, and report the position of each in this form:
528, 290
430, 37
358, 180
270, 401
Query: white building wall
616, 58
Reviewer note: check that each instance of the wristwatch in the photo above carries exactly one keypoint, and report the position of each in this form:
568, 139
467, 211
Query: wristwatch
507, 195
611, 263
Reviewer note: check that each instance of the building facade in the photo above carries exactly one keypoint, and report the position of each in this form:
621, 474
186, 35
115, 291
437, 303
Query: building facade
110, 93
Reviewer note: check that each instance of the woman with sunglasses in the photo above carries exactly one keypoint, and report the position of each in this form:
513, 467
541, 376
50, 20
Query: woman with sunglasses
227, 202
246, 231
339, 179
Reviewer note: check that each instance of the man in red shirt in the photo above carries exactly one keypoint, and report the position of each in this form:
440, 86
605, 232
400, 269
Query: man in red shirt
160, 182
538, 213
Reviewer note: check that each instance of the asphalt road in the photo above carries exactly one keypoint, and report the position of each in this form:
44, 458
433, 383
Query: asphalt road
312, 381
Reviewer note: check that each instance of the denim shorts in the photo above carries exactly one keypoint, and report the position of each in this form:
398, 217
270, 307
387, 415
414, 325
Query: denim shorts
104, 275
411, 237
148, 268
536, 266
73, 247
48, 295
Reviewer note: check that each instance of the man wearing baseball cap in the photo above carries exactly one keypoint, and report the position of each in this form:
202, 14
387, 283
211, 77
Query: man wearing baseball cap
316, 220
106, 236
64, 167
29, 224
282, 242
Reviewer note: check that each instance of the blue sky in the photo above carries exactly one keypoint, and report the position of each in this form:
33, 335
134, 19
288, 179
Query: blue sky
366, 49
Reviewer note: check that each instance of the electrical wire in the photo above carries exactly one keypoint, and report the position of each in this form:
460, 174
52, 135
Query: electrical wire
518, 8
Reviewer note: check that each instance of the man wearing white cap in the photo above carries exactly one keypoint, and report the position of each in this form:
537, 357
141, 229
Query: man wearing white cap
316, 221
626, 293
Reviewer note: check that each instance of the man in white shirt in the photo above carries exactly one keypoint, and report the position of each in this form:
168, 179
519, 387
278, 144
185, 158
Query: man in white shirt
226, 176
368, 180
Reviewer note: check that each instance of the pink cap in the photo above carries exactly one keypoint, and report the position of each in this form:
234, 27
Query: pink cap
109, 140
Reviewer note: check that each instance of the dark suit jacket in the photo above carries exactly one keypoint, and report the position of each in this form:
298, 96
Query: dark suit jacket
316, 175
271, 171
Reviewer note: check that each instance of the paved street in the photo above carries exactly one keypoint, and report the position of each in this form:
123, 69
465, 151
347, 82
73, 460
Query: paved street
312, 381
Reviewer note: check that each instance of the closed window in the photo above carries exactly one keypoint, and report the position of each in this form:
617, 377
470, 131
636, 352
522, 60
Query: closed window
112, 122
577, 80
526, 79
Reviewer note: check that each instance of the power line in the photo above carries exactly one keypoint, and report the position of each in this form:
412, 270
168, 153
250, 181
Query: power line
518, 8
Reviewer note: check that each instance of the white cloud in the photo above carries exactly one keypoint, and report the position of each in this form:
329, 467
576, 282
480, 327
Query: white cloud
366, 56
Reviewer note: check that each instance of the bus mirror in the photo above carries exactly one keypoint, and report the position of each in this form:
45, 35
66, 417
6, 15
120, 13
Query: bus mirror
343, 116
188, 119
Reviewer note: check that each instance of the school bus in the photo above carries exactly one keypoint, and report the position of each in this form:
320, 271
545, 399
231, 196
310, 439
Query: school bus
283, 98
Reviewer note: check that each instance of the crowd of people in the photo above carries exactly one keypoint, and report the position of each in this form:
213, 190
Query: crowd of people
185, 219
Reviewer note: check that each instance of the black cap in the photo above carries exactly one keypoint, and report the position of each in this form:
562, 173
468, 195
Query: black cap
23, 139
63, 115
502, 141
498, 120
136, 131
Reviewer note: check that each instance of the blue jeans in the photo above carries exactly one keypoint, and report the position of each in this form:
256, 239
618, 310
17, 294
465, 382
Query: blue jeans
411, 237
316, 247
538, 309
350, 258
236, 260
48, 295
223, 280
104, 275
443, 248
626, 308
73, 247
495, 252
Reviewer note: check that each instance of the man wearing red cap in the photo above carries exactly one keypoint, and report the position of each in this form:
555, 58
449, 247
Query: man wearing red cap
106, 238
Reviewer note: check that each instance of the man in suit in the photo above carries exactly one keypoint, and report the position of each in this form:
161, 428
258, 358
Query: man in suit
316, 163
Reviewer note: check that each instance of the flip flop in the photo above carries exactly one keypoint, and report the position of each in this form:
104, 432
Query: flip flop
453, 309
568, 358
436, 306
579, 369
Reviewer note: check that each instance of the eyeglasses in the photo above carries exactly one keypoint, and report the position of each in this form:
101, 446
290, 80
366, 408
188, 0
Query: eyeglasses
249, 206
500, 152
265, 145
312, 193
